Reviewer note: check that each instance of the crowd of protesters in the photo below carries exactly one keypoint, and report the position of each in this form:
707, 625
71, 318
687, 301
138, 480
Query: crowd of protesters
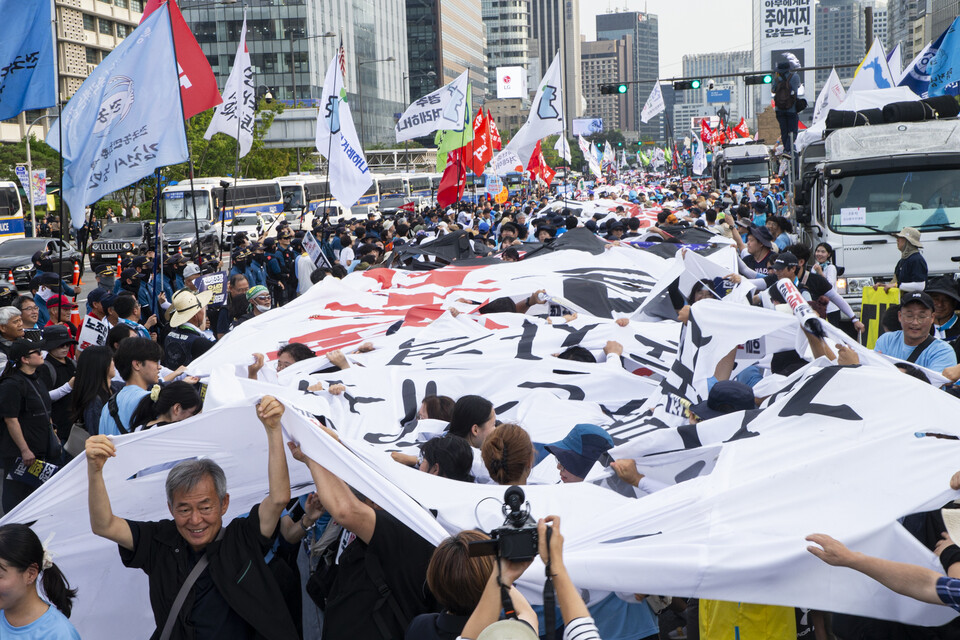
330, 560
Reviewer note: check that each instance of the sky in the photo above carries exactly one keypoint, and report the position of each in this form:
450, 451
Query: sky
686, 26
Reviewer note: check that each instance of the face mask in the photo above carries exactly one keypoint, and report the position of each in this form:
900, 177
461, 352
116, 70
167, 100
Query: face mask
107, 283
258, 258
262, 308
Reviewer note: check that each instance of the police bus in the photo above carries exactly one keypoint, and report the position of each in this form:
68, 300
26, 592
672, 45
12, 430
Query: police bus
216, 204
11, 212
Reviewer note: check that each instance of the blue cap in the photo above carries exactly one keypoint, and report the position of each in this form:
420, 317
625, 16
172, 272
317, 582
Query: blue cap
484, 227
581, 448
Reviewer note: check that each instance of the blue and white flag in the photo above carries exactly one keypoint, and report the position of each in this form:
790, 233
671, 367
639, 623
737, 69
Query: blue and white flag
28, 73
235, 115
940, 68
125, 120
873, 72
545, 117
337, 139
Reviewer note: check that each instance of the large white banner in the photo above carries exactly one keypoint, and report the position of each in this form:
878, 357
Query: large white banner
784, 26
442, 109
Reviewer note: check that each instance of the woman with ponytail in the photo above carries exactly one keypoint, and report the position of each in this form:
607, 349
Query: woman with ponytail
162, 406
23, 613
509, 455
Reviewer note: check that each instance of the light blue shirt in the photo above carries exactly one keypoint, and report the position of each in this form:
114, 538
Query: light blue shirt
937, 357
127, 401
52, 625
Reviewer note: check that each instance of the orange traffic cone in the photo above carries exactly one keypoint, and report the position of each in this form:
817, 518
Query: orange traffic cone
75, 317
119, 264
76, 273
13, 283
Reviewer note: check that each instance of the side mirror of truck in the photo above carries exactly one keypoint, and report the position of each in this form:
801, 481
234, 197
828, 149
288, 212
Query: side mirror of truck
803, 214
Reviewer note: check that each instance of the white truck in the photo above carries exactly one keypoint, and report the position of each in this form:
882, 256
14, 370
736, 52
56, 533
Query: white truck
861, 185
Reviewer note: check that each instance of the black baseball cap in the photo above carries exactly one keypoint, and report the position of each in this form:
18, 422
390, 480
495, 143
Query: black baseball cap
916, 296
785, 260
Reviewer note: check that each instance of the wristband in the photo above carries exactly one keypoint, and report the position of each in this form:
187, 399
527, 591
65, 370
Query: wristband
304, 526
949, 555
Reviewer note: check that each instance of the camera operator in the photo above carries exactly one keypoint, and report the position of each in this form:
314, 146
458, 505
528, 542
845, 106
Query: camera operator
579, 624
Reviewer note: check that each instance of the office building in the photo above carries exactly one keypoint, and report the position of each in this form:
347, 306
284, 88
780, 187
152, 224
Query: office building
881, 22
443, 39
290, 53
841, 31
87, 31
644, 30
608, 62
507, 27
776, 32
944, 13
910, 21
556, 28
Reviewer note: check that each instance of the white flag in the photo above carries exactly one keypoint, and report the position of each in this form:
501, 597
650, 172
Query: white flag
830, 96
699, 159
654, 105
506, 162
234, 116
563, 148
337, 139
895, 62
589, 155
609, 157
442, 109
873, 72
546, 114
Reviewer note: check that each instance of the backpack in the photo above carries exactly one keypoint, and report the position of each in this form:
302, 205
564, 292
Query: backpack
783, 97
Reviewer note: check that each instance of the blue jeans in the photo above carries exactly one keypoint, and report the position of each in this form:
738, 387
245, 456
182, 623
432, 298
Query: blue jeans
789, 124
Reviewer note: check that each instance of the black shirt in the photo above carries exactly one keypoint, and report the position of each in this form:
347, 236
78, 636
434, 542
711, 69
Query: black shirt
26, 398
59, 376
813, 283
762, 267
436, 626
236, 569
352, 606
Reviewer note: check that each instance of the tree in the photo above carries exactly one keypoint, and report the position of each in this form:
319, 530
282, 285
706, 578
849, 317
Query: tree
42, 155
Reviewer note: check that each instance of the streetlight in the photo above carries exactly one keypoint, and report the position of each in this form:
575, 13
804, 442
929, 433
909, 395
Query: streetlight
406, 90
33, 215
293, 75
360, 63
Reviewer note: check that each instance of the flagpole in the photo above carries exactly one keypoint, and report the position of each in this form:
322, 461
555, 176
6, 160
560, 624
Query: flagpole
563, 123
60, 134
156, 243
193, 195
326, 201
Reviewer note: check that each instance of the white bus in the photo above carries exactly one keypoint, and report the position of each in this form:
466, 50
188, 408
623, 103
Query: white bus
216, 204
11, 211
312, 192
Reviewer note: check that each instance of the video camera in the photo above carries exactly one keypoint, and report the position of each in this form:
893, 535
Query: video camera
517, 539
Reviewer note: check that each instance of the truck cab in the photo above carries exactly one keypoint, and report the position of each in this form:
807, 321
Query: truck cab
742, 163
861, 185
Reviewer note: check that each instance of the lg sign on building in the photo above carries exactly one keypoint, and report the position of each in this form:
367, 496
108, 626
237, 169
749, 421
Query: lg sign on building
511, 82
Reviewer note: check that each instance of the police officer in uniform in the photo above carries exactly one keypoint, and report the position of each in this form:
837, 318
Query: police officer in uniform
289, 255
273, 265
187, 339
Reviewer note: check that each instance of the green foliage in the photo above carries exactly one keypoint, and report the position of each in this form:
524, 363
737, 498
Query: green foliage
42, 155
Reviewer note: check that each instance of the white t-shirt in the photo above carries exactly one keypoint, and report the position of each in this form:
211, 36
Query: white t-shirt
346, 256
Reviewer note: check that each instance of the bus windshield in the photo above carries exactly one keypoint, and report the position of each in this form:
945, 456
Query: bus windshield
292, 197
178, 205
748, 171
886, 202
9, 201
391, 187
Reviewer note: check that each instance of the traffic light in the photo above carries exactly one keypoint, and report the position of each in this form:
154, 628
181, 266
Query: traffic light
619, 144
765, 78
684, 85
612, 89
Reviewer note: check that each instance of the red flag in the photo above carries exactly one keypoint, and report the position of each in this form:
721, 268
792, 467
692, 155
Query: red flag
538, 166
742, 130
494, 133
801, 126
706, 134
198, 86
407, 207
479, 152
454, 179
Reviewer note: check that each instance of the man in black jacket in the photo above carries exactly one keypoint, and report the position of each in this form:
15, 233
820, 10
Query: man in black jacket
235, 595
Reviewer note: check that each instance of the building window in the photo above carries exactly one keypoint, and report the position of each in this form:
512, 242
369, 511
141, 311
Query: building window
136, 5
120, 3
106, 27
89, 22
93, 55
123, 30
